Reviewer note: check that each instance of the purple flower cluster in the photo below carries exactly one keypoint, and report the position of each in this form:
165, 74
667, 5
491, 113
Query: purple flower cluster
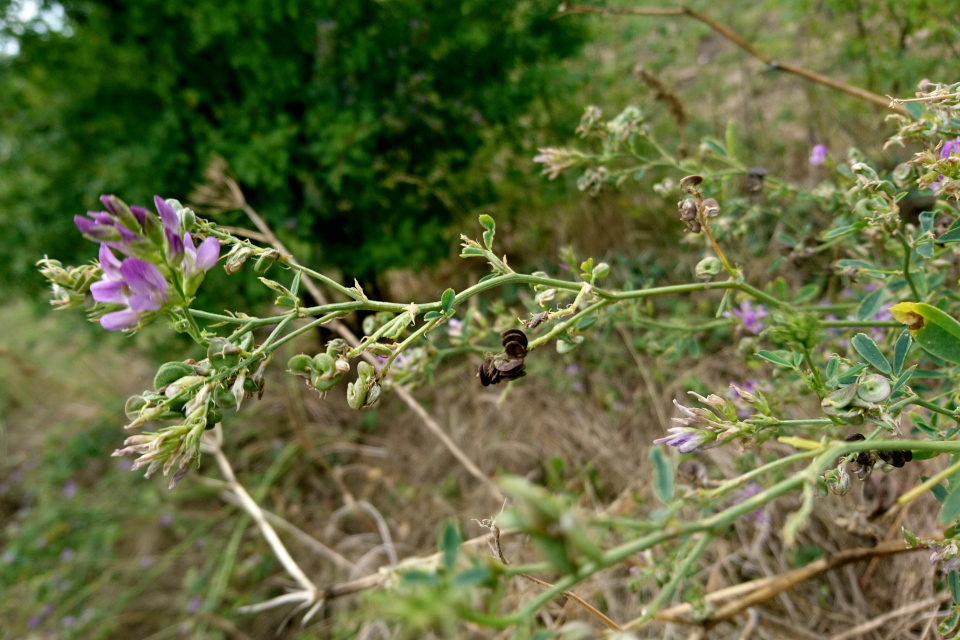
818, 155
948, 149
682, 439
748, 491
162, 263
750, 317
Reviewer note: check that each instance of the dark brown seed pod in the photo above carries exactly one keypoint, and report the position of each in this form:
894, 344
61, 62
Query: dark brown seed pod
864, 458
487, 373
506, 366
689, 182
755, 179
513, 335
896, 458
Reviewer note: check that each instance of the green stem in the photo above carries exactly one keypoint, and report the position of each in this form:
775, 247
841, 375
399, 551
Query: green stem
907, 250
859, 323
679, 574
563, 326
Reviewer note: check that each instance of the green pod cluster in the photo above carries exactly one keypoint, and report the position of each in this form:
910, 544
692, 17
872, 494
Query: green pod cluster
324, 375
300, 365
223, 398
170, 373
365, 391
222, 353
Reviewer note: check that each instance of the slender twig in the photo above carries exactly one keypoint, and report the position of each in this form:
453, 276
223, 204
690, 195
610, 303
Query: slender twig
907, 250
770, 61
251, 507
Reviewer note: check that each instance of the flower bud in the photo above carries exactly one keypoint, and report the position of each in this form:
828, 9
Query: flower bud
342, 365
236, 258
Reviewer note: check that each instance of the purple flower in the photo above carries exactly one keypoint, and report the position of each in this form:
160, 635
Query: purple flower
134, 283
200, 259
948, 149
683, 440
33, 622
66, 555
454, 328
146, 562
748, 491
749, 317
68, 621
69, 489
818, 155
166, 520
194, 605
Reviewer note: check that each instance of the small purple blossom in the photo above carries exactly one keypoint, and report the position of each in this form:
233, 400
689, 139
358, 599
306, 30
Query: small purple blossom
194, 605
146, 562
33, 622
748, 491
69, 489
571, 370
818, 155
682, 439
454, 328
749, 316
166, 520
68, 621
948, 149
577, 386
66, 555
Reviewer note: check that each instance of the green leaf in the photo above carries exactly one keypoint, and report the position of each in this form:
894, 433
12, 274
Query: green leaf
870, 305
570, 344
472, 577
770, 356
489, 276
856, 264
902, 379
487, 222
915, 109
446, 300
900, 351
952, 234
587, 322
602, 270
950, 509
468, 252
953, 579
832, 367
662, 474
432, 315
731, 137
850, 374
488, 239
450, 540
842, 231
716, 147
586, 267
937, 333
806, 293
949, 624
938, 491
869, 351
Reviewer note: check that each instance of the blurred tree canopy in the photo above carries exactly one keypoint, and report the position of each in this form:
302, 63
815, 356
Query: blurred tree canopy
347, 123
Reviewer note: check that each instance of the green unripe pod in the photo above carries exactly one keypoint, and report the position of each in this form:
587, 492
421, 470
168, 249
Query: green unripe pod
320, 383
250, 385
213, 417
133, 406
223, 398
324, 365
222, 353
171, 372
264, 262
300, 365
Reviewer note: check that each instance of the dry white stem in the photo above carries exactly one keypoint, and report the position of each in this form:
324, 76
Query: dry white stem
308, 541
301, 597
249, 505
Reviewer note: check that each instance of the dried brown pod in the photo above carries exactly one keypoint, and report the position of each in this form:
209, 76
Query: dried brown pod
690, 182
896, 458
536, 320
507, 365
755, 176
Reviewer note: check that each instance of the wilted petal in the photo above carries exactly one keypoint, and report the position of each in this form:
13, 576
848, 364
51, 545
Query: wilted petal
119, 319
207, 254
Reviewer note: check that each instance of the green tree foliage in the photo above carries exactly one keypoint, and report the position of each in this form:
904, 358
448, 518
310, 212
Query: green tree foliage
349, 123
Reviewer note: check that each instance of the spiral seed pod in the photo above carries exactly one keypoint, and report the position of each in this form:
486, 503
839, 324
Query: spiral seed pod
688, 209
873, 388
222, 353
300, 365
690, 182
364, 391
169, 373
896, 458
507, 365
711, 207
